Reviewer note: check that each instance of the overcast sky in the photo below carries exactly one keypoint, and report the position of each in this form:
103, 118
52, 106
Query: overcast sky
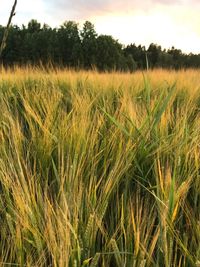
165, 22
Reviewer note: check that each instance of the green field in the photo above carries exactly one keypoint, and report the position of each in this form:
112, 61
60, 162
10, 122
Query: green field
99, 169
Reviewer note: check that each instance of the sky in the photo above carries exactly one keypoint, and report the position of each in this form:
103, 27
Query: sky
164, 22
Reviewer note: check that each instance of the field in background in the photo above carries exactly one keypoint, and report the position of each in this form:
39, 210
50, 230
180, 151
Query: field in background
99, 169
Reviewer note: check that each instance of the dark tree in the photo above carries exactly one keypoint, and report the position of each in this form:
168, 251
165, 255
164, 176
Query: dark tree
154, 51
109, 52
178, 58
89, 45
138, 54
68, 46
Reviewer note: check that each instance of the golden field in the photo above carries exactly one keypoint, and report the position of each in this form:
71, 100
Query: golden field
99, 169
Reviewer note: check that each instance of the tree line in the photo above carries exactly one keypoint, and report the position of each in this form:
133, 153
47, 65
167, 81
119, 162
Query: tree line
68, 46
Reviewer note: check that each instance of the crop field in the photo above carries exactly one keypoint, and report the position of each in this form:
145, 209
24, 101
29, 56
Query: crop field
99, 169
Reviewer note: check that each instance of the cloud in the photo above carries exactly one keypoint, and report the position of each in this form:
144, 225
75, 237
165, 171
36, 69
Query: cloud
166, 22
87, 8
161, 26
56, 12
25, 11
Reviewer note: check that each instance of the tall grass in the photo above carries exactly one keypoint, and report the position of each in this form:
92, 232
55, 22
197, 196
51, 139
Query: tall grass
99, 169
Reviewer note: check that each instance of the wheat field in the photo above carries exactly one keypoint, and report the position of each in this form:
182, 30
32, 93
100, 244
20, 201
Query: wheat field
99, 169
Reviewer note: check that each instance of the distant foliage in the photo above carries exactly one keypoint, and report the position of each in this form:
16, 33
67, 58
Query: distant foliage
69, 46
